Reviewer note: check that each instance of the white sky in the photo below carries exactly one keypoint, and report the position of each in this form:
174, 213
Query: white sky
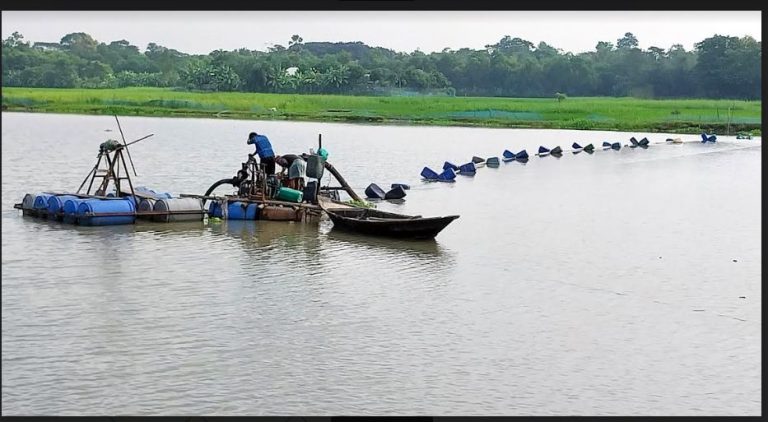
200, 32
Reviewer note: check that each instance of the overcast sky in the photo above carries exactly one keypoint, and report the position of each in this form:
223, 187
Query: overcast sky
197, 32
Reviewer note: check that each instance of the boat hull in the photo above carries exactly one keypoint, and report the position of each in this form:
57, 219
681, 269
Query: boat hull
379, 223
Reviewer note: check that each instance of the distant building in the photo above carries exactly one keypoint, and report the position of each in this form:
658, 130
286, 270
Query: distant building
45, 46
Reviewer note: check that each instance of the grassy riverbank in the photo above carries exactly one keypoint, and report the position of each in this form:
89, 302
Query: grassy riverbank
601, 113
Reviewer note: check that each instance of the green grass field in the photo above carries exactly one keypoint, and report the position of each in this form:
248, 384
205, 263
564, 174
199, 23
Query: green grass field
599, 113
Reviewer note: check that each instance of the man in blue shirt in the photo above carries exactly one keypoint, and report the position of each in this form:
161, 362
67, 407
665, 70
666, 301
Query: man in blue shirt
264, 149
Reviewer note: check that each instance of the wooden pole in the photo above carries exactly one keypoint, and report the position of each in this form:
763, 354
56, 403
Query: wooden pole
343, 182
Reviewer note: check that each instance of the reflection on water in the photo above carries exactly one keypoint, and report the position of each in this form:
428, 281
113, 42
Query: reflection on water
621, 282
425, 248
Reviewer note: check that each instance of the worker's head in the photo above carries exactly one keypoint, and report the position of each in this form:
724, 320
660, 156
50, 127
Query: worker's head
252, 138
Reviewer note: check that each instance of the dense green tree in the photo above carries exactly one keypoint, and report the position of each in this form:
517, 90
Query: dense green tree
719, 67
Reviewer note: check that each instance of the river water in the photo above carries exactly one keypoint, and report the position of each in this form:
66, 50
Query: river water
619, 283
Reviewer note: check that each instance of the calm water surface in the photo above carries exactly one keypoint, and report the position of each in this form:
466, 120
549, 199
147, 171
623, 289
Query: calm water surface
620, 283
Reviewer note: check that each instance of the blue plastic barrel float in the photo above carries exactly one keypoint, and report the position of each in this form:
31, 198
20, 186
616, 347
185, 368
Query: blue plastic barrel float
402, 185
522, 155
707, 138
242, 211
373, 191
447, 176
28, 204
467, 169
214, 209
543, 151
492, 162
395, 193
449, 165
616, 146
556, 151
40, 206
508, 156
70, 209
429, 174
56, 205
146, 205
106, 212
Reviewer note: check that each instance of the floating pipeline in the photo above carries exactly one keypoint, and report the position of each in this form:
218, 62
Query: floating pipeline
469, 169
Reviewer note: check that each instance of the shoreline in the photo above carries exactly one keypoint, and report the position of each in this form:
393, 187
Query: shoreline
717, 128
686, 116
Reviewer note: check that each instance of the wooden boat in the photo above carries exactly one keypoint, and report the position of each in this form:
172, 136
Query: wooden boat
380, 223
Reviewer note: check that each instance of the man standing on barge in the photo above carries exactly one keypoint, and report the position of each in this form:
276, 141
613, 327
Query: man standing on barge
264, 149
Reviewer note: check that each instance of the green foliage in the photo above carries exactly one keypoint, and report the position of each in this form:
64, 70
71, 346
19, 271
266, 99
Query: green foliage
360, 203
719, 67
201, 76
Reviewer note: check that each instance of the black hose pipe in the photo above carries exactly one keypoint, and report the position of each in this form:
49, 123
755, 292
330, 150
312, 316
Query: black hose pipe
233, 182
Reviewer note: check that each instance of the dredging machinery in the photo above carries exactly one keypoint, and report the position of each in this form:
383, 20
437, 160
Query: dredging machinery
258, 196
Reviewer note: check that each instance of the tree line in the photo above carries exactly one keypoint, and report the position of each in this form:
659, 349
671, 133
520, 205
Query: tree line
718, 67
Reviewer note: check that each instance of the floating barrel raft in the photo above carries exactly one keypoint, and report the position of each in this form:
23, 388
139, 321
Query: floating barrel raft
92, 210
470, 168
